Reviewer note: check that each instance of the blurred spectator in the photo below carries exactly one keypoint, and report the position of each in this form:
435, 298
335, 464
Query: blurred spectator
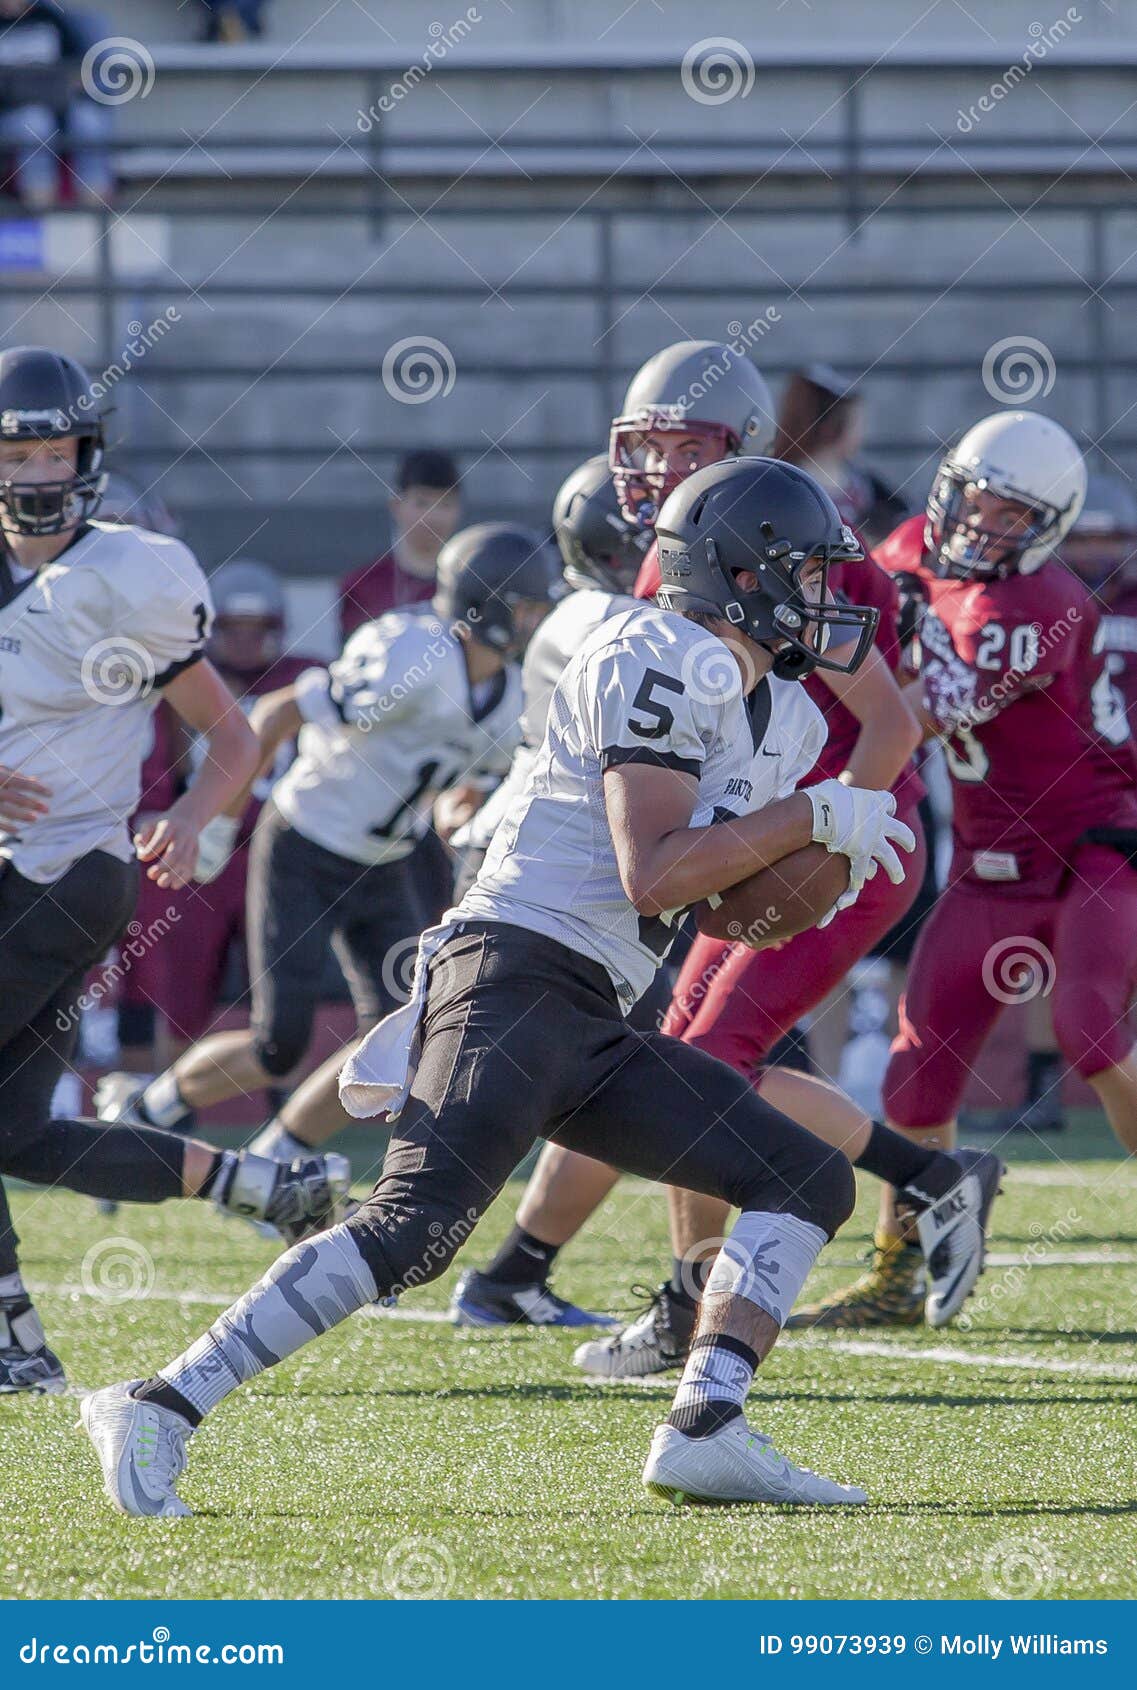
43, 111
233, 20
424, 513
820, 419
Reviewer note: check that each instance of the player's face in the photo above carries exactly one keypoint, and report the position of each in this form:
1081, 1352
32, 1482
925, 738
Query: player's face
426, 517
651, 462
243, 645
35, 463
991, 528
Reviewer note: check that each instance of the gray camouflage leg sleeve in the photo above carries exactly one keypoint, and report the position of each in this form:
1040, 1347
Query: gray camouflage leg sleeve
306, 1292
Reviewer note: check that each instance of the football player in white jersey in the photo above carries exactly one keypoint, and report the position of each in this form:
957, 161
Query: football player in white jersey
643, 801
98, 622
419, 699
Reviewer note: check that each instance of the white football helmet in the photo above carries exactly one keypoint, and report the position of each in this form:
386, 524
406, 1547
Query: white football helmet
1014, 455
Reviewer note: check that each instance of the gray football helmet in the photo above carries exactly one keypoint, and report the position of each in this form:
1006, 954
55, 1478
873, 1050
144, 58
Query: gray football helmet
697, 388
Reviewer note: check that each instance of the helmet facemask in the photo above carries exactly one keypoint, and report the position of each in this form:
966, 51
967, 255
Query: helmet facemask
38, 509
791, 612
642, 490
961, 551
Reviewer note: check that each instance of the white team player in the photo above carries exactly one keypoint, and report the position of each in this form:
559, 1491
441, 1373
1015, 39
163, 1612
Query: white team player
641, 803
418, 700
98, 622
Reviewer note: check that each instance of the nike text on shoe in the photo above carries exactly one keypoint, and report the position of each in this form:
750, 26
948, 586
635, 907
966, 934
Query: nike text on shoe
653, 1343
953, 1232
735, 1464
141, 1450
479, 1300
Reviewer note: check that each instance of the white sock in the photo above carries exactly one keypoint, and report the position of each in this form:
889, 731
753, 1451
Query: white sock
307, 1291
274, 1141
163, 1102
766, 1259
12, 1285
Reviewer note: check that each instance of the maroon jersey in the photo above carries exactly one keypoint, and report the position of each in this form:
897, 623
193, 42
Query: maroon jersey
378, 587
1035, 732
860, 583
1119, 643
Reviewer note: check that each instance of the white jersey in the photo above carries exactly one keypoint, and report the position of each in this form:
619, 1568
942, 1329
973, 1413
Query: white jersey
86, 646
391, 723
549, 653
647, 687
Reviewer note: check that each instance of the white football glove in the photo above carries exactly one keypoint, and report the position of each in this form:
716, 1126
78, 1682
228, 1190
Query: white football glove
215, 845
863, 826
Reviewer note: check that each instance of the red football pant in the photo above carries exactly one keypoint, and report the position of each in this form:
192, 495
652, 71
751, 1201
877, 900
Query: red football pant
982, 948
736, 1003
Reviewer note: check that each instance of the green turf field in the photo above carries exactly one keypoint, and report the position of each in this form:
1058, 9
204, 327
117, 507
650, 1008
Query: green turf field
396, 1457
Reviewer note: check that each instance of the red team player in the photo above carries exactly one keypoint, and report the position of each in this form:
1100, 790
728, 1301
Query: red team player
1015, 681
247, 647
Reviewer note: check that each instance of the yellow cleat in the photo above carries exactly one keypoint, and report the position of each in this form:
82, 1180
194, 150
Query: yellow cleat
891, 1293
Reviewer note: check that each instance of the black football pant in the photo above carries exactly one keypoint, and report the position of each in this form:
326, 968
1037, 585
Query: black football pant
523, 1039
50, 937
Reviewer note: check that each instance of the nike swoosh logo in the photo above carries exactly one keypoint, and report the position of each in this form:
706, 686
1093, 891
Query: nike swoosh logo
39, 610
766, 753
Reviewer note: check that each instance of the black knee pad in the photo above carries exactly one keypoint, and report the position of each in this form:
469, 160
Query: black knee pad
831, 1193
820, 1187
281, 1048
406, 1245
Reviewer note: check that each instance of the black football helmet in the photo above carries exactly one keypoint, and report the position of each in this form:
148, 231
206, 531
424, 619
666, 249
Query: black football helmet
771, 518
47, 396
600, 547
486, 572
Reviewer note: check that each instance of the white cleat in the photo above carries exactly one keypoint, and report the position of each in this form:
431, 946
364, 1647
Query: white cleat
117, 1093
654, 1342
953, 1234
141, 1449
735, 1464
